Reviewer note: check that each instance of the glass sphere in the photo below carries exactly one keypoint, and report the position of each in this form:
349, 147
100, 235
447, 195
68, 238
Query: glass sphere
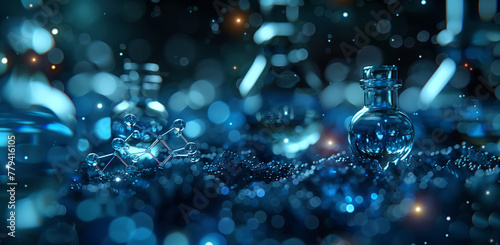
195, 156
118, 144
384, 135
136, 134
130, 120
179, 125
92, 159
190, 147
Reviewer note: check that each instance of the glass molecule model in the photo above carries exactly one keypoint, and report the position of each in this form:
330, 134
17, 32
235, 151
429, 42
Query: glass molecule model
381, 131
123, 150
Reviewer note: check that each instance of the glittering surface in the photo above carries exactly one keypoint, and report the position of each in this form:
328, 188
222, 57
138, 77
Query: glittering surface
415, 201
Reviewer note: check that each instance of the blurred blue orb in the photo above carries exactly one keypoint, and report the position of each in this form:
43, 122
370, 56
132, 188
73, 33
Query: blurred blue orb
226, 225
55, 56
234, 135
84, 13
42, 41
102, 128
88, 210
141, 233
176, 238
121, 229
261, 192
214, 239
100, 53
83, 144
277, 221
218, 112
349, 208
196, 128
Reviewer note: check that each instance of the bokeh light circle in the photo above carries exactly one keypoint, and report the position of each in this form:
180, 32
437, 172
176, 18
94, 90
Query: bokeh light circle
176, 238
120, 229
55, 56
88, 210
218, 112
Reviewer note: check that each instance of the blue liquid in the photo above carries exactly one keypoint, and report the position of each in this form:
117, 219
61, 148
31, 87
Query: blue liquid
384, 135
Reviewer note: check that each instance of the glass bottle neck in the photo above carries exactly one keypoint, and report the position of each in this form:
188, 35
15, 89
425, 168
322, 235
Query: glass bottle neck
381, 98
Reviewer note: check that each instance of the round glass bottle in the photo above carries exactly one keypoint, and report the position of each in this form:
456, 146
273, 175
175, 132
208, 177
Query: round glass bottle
381, 130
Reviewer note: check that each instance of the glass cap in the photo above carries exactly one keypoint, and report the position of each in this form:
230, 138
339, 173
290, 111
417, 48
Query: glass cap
383, 76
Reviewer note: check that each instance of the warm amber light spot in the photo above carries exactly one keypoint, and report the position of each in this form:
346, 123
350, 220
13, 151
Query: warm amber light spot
53, 67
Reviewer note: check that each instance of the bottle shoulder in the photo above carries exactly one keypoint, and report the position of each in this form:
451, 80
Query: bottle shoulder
380, 112
385, 116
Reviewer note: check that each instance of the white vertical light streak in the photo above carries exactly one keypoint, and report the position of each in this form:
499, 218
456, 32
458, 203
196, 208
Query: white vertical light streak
454, 15
292, 13
454, 21
487, 9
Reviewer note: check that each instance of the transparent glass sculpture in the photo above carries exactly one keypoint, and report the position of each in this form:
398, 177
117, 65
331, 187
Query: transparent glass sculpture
381, 130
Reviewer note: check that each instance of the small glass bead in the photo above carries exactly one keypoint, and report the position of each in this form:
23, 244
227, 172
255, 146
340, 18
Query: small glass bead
130, 120
191, 147
195, 156
92, 159
179, 125
118, 144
